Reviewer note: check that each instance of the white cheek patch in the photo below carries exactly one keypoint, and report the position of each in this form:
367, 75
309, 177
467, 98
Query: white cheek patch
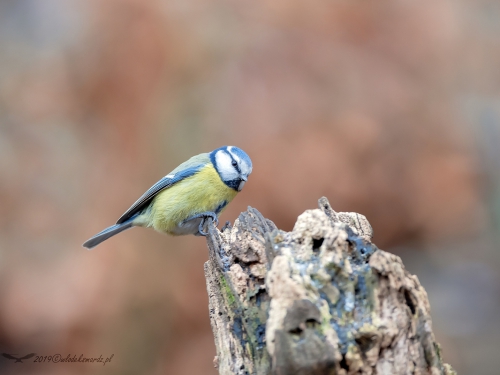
242, 183
226, 169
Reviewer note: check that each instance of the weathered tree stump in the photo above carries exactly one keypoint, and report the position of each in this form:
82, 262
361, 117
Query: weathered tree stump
321, 299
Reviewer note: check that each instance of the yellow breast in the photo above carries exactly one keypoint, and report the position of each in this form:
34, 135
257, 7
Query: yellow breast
203, 192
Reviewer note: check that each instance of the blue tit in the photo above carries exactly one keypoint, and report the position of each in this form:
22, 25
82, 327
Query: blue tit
181, 201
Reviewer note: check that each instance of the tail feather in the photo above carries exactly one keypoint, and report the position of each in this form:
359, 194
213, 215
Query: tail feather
106, 233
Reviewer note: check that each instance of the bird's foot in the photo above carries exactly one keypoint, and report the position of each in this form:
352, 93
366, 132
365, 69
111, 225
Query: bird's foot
204, 216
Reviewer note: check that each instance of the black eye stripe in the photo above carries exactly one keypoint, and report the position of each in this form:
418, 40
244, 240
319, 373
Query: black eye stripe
234, 163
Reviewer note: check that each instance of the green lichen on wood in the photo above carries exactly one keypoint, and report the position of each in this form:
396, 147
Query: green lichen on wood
254, 311
228, 293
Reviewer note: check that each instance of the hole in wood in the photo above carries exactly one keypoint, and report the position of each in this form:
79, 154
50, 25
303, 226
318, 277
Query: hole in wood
365, 342
409, 301
343, 363
317, 243
296, 331
311, 323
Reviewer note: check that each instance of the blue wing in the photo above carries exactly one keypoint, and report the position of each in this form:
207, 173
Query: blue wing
164, 183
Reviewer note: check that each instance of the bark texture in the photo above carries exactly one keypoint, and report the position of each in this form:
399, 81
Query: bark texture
321, 299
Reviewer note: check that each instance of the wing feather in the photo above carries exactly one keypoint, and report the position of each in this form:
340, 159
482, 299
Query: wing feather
185, 170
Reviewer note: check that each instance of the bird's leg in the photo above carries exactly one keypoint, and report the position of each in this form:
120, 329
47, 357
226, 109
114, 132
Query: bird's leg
204, 216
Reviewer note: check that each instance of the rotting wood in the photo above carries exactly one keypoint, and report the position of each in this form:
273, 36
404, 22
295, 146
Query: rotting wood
321, 299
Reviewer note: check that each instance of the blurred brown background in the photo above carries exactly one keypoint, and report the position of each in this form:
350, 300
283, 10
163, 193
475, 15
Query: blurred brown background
389, 108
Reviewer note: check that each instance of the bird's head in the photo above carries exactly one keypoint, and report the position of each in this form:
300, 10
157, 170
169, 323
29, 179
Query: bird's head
233, 165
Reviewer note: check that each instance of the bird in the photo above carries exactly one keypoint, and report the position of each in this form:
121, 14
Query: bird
10, 356
181, 202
